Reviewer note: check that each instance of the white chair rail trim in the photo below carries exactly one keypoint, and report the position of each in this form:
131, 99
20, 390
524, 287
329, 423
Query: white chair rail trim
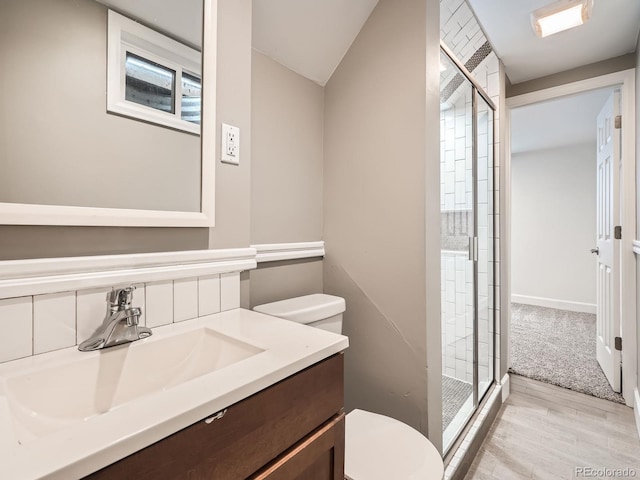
272, 252
20, 278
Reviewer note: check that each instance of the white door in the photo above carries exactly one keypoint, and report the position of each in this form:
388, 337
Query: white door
608, 248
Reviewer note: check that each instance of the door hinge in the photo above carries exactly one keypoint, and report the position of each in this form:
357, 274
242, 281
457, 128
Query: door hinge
617, 122
618, 343
617, 232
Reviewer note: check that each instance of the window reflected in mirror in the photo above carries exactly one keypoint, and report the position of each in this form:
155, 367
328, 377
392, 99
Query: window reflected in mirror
150, 84
62, 142
191, 98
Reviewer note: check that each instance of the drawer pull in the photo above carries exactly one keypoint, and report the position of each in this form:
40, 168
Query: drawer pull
215, 416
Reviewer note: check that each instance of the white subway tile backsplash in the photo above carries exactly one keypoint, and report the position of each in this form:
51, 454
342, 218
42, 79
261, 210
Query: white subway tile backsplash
139, 300
229, 291
159, 303
16, 324
50, 322
91, 309
185, 299
209, 295
54, 321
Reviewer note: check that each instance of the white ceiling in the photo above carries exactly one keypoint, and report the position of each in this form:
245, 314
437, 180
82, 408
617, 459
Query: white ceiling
309, 37
611, 31
557, 123
312, 36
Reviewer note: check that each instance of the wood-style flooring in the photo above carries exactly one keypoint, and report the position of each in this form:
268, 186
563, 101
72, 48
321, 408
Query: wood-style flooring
547, 432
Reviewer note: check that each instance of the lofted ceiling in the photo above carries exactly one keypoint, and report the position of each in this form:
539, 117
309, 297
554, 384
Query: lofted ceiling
309, 37
612, 31
557, 123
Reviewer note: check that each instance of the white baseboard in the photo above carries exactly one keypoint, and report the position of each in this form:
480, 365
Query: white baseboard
554, 303
636, 409
505, 383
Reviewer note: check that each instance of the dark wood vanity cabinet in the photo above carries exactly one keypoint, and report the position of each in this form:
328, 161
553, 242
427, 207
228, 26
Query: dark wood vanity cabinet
291, 430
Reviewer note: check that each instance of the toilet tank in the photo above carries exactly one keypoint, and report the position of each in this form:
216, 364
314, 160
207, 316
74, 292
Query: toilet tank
317, 310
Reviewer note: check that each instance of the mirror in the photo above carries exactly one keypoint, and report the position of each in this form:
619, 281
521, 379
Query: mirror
66, 156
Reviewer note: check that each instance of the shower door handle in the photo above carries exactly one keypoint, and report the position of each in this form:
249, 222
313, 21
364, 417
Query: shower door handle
473, 249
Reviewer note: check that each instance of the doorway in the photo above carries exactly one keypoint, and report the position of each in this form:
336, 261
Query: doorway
555, 222
551, 297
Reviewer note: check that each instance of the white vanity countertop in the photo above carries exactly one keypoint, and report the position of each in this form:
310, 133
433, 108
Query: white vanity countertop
93, 443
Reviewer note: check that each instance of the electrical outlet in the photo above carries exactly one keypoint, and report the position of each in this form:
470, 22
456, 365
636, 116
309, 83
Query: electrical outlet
230, 144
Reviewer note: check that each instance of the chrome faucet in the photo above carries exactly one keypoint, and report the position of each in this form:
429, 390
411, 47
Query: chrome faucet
120, 325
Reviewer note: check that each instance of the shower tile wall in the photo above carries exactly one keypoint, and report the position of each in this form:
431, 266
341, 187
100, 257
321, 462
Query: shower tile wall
487, 74
456, 204
457, 328
459, 29
463, 35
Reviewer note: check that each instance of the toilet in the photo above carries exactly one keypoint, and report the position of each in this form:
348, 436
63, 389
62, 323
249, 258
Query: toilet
377, 447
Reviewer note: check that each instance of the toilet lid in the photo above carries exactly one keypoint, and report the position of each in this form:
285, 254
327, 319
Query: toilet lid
380, 448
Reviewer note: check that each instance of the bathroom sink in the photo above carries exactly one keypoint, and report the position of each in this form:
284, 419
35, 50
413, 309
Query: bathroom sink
50, 399
66, 414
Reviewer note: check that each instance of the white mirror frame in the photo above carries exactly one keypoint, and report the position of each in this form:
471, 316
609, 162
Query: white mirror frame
32, 214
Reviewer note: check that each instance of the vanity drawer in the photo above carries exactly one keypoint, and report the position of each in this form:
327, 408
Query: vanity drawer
251, 434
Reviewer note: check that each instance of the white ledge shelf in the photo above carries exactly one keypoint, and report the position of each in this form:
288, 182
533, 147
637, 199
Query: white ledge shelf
273, 252
41, 276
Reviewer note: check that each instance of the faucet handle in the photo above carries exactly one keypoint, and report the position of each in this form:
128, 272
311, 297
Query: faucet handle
120, 298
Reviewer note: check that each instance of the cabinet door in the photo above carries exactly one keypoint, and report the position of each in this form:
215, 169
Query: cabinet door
320, 456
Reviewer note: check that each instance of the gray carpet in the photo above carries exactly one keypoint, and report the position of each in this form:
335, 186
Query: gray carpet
558, 347
454, 393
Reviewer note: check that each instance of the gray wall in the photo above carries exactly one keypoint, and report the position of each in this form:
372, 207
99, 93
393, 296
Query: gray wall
287, 112
287, 121
381, 190
54, 70
234, 209
275, 281
233, 106
33, 241
233, 183
553, 210
610, 65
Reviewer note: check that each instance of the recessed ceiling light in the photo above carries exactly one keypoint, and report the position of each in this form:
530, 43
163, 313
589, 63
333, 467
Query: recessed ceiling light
560, 16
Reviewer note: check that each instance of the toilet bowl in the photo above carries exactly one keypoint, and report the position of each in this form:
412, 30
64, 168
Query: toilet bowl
377, 447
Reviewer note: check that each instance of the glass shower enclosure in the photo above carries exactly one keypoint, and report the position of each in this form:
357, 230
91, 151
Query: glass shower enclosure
467, 245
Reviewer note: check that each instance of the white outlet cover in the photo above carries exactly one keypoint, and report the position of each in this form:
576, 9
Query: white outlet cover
230, 144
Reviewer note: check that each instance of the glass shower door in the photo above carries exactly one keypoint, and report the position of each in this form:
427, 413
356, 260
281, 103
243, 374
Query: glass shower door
467, 246
457, 203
